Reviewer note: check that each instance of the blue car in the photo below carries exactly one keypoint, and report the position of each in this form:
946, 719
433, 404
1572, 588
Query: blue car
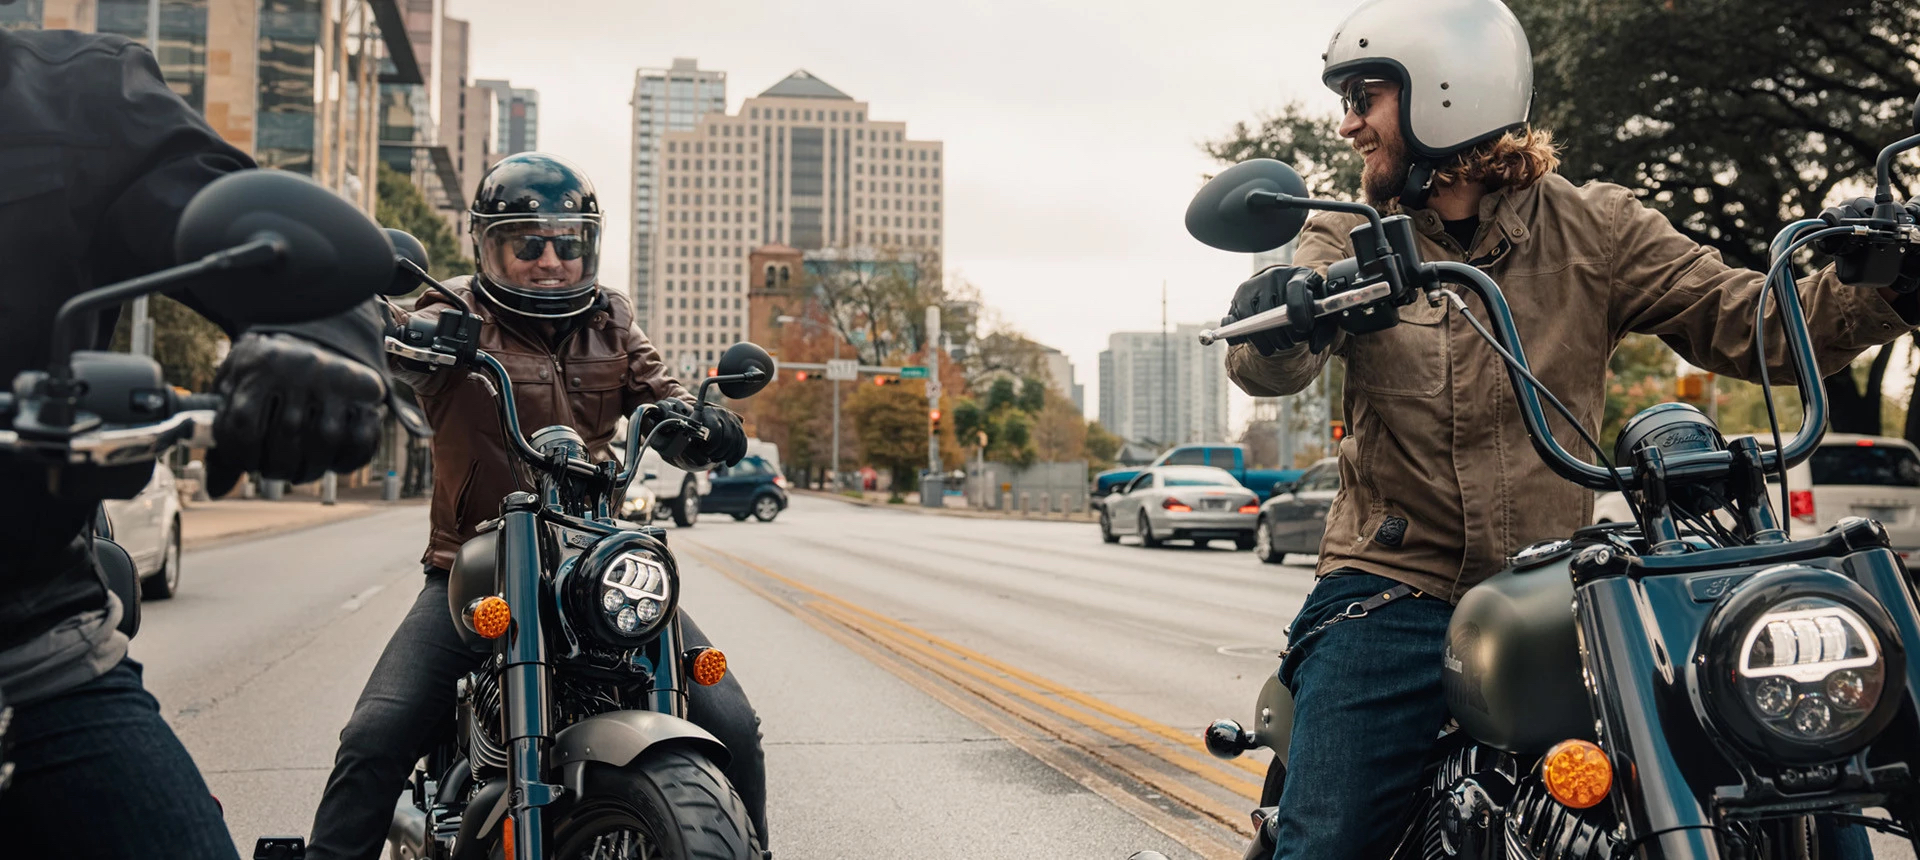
754, 488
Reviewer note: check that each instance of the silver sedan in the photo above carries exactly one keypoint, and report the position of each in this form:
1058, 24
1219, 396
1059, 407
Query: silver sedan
1196, 503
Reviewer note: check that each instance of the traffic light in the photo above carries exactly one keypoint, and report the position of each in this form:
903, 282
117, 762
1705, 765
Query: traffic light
933, 419
886, 380
798, 376
1338, 428
1690, 387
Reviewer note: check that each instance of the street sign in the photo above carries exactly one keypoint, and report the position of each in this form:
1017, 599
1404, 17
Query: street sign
843, 368
913, 372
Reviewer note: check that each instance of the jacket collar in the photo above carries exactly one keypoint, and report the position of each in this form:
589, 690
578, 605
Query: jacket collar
1500, 208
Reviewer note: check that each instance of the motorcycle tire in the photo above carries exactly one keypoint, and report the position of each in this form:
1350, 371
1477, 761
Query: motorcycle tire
670, 803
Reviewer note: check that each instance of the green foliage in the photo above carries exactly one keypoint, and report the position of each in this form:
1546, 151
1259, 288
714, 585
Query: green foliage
402, 206
184, 342
1308, 142
1102, 448
893, 429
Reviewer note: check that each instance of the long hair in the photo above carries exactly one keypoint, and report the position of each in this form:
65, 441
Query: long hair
1516, 159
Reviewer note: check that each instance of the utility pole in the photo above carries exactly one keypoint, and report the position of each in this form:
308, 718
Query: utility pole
1167, 411
933, 389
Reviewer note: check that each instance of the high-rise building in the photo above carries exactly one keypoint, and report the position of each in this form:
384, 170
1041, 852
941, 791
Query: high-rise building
802, 164
670, 99
1164, 389
516, 118
1059, 370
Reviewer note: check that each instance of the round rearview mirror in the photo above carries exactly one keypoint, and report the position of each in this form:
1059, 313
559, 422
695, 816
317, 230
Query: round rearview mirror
1221, 217
741, 358
405, 247
333, 256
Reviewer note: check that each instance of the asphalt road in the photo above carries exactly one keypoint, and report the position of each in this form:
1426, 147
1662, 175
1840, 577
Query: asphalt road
929, 686
258, 661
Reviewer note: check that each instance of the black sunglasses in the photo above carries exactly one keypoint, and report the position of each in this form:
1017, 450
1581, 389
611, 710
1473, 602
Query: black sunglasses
530, 247
1357, 100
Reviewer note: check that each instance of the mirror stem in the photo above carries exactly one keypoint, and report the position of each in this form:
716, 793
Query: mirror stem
431, 283
1883, 168
1278, 200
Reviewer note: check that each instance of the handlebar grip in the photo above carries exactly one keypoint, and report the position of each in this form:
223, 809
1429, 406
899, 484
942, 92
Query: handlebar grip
190, 402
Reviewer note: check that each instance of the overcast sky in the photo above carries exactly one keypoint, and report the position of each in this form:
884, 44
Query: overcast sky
1070, 126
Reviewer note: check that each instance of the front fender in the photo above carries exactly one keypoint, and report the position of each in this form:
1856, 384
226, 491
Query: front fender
619, 737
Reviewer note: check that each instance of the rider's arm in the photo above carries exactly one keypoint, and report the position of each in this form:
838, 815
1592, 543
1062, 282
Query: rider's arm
1323, 242
1664, 284
648, 377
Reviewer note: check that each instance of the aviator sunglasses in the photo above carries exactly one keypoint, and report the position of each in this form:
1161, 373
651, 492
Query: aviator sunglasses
530, 247
1357, 100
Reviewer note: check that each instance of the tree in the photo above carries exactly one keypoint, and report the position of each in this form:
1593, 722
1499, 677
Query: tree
1059, 430
1102, 448
402, 206
893, 430
1309, 143
185, 343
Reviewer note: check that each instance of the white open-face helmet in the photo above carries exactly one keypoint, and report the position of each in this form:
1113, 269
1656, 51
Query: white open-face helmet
1464, 68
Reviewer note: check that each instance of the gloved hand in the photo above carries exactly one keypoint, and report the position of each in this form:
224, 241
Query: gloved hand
295, 410
726, 441
1851, 252
1282, 286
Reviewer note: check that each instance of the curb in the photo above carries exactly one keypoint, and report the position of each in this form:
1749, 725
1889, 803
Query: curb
212, 541
1087, 518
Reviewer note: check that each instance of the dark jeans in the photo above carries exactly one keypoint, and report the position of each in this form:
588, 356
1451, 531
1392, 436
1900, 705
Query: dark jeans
100, 775
410, 696
1368, 705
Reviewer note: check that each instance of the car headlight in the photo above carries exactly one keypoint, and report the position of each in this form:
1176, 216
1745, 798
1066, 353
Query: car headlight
621, 590
1803, 665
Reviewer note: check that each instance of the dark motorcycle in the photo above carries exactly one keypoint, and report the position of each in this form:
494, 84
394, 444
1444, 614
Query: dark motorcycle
264, 246
572, 740
1717, 689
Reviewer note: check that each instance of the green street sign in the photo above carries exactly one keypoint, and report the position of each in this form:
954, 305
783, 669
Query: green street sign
913, 372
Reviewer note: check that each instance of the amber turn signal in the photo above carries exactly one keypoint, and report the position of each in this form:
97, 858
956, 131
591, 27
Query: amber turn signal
488, 616
1577, 773
707, 667
506, 827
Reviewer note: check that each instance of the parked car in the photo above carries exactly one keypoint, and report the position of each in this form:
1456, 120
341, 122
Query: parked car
1196, 503
678, 490
1295, 518
147, 526
1232, 458
641, 504
1849, 475
753, 488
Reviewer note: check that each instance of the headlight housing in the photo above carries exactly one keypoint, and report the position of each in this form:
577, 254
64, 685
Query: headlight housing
621, 590
1802, 665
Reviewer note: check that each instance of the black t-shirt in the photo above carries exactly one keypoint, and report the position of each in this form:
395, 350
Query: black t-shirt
1462, 231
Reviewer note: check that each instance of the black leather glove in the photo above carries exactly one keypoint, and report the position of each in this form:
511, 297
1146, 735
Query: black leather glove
1288, 286
294, 410
1853, 258
726, 442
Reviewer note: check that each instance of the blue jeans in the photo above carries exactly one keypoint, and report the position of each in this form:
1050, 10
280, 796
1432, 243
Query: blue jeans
1368, 705
100, 775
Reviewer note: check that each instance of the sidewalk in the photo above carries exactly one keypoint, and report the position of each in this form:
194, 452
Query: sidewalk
205, 524
912, 505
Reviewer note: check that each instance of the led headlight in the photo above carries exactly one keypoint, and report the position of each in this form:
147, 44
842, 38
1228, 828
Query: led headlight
1811, 669
620, 590
1800, 665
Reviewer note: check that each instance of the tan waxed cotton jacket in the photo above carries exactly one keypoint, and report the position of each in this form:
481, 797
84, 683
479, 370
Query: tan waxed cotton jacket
600, 372
1439, 483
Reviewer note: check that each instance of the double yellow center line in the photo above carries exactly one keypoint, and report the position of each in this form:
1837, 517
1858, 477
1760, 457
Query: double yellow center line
1169, 763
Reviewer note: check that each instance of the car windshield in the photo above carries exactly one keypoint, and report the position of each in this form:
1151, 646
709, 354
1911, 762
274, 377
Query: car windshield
1866, 466
1197, 476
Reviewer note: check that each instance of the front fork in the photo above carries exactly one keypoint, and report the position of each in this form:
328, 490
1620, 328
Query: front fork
528, 684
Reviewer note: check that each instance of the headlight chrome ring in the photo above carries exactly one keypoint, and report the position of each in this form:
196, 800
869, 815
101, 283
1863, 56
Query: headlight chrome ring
621, 590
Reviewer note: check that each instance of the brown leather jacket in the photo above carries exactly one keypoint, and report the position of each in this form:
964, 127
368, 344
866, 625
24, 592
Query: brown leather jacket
1439, 483
606, 368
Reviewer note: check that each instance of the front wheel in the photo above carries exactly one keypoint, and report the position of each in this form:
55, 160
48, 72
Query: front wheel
671, 803
165, 583
766, 508
1106, 528
686, 509
1263, 544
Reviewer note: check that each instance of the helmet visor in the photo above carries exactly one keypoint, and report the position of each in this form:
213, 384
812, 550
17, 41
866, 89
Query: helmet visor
553, 255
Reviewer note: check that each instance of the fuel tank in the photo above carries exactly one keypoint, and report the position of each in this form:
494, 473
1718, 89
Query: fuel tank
1512, 669
473, 577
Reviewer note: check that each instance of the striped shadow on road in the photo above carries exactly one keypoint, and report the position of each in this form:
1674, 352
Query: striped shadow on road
1160, 774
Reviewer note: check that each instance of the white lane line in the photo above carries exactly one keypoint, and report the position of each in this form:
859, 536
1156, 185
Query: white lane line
359, 600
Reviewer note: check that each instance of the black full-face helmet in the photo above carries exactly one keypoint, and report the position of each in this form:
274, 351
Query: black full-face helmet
536, 236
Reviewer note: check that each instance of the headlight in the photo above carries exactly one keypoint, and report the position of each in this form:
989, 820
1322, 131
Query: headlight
620, 590
1801, 665
1811, 669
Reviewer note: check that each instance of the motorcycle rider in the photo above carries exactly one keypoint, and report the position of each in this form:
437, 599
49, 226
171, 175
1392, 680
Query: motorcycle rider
576, 357
100, 158
1439, 483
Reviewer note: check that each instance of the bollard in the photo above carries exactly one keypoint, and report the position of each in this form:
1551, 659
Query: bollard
329, 486
1066, 502
1026, 507
272, 488
196, 472
390, 487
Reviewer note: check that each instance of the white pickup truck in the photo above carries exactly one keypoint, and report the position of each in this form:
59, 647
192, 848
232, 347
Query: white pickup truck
679, 491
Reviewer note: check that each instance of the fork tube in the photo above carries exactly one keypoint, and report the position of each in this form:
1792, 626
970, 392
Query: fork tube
669, 687
527, 680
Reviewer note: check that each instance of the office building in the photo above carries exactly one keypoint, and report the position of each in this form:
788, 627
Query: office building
516, 118
802, 164
670, 99
1164, 389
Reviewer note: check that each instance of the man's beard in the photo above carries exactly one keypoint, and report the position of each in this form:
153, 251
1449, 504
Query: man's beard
1384, 185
